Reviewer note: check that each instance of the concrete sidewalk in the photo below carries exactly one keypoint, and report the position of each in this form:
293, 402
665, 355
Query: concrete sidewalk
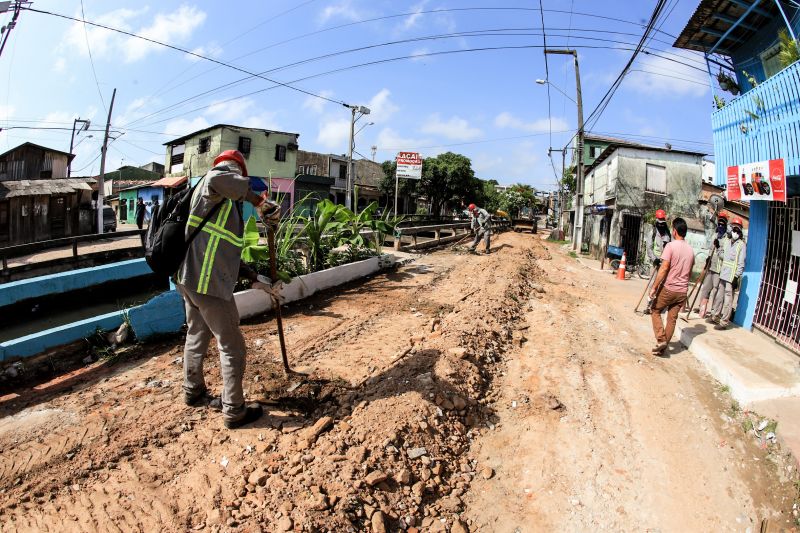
763, 376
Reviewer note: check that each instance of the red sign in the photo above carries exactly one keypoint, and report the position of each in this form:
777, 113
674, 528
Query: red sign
765, 180
409, 165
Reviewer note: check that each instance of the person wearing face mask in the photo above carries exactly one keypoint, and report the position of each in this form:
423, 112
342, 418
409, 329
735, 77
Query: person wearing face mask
713, 265
730, 274
656, 241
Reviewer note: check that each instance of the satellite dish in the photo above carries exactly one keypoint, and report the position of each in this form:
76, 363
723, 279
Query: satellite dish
716, 202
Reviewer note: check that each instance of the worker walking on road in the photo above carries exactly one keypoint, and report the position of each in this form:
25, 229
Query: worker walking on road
482, 226
730, 275
206, 280
656, 241
713, 264
671, 285
141, 211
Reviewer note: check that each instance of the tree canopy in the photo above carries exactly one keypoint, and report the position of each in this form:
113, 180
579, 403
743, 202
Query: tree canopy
448, 179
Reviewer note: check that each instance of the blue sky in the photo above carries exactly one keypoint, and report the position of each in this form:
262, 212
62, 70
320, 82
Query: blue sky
485, 105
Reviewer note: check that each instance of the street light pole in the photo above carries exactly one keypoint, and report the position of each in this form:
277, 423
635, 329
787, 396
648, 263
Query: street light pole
348, 195
84, 127
577, 234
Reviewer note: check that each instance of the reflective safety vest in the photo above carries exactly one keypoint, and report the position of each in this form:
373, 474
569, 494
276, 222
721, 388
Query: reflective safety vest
733, 258
659, 242
716, 254
212, 262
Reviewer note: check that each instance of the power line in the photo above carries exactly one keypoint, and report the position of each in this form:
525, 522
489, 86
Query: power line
546, 74
91, 59
183, 50
424, 12
594, 116
475, 33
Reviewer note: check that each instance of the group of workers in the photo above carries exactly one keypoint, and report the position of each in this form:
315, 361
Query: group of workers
674, 259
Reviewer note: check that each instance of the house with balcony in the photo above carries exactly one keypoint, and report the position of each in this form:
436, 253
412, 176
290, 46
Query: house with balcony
626, 183
751, 51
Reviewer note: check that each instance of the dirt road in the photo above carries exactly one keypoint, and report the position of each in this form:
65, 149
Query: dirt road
449, 395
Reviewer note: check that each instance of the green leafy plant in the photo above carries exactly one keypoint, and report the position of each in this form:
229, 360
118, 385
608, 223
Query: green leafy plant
727, 83
322, 230
750, 79
789, 52
383, 226
719, 102
353, 225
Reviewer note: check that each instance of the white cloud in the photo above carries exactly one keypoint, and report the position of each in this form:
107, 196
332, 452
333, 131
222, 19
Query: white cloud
342, 10
411, 20
230, 112
421, 54
333, 133
171, 28
175, 27
542, 125
381, 107
267, 120
182, 126
60, 65
317, 105
456, 128
652, 75
391, 140
212, 50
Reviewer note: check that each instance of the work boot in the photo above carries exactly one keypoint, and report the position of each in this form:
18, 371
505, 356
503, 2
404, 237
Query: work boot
659, 349
723, 324
201, 399
647, 311
713, 319
251, 414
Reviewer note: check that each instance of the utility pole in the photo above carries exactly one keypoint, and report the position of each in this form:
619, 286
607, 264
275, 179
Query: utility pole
101, 177
374, 151
577, 233
84, 127
348, 195
6, 30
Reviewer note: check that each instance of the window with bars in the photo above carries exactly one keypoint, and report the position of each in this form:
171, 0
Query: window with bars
280, 152
656, 179
244, 145
204, 146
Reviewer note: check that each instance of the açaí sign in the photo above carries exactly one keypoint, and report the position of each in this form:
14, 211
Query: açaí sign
765, 180
409, 165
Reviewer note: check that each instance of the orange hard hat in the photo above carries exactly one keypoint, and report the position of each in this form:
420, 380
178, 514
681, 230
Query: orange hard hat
232, 155
723, 214
661, 214
737, 222
472, 207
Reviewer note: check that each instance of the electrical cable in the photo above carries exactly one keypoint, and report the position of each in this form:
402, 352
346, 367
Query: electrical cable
173, 106
189, 52
546, 74
91, 60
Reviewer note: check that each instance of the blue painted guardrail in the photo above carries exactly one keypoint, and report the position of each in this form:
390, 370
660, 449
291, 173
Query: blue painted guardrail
162, 314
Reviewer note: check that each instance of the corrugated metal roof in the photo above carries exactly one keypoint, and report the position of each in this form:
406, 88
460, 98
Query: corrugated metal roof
713, 18
170, 181
12, 189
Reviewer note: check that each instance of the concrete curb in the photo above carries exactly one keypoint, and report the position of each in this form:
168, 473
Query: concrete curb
745, 386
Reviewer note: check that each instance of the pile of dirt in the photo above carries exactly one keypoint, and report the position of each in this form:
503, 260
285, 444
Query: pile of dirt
376, 438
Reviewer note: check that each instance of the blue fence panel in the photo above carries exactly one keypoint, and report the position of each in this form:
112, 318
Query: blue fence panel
761, 124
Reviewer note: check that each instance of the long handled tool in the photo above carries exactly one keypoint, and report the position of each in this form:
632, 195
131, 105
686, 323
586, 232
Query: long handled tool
698, 286
273, 273
652, 277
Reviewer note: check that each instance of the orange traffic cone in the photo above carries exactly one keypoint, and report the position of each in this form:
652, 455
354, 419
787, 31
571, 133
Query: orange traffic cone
621, 269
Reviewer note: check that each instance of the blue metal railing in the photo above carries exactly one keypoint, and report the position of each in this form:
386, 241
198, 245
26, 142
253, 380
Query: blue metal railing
761, 124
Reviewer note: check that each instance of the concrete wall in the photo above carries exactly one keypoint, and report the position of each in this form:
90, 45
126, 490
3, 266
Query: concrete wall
17, 291
260, 160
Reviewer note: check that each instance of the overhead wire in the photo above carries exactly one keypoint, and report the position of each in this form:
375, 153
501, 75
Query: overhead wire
91, 60
546, 74
474, 33
189, 52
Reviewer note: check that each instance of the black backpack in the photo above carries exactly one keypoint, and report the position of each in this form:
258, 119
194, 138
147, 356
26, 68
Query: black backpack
166, 244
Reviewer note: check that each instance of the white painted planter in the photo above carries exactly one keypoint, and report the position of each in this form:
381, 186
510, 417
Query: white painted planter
253, 302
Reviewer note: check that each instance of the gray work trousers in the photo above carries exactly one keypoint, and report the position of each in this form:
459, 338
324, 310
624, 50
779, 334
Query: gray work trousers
708, 290
487, 238
208, 316
723, 301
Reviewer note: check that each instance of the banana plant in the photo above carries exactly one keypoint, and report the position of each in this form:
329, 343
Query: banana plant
323, 225
383, 226
354, 224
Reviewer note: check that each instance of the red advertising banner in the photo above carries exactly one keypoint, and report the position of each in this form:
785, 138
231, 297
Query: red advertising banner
764, 180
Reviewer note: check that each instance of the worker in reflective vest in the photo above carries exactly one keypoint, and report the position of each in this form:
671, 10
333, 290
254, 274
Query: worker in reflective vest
730, 275
713, 264
656, 241
206, 280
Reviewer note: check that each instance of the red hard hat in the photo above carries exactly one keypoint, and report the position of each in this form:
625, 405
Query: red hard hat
737, 222
232, 155
471, 207
661, 214
724, 215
